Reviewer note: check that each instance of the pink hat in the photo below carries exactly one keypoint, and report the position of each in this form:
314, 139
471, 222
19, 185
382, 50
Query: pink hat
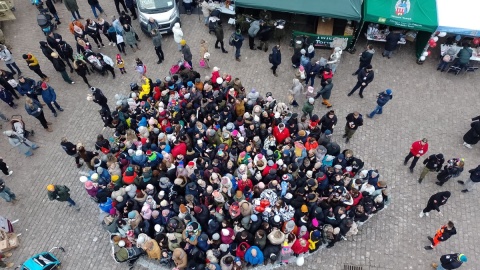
260, 156
301, 68
242, 154
88, 185
234, 133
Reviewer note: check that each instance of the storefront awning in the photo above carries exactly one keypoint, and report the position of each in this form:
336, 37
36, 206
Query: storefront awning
459, 17
340, 9
410, 14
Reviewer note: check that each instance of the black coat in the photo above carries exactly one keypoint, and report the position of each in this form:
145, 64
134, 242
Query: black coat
434, 162
475, 174
365, 77
58, 64
47, 51
52, 41
439, 199
51, 6
392, 41
473, 135
328, 123
358, 122
366, 58
276, 56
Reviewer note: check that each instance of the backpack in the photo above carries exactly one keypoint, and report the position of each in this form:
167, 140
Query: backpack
231, 39
270, 58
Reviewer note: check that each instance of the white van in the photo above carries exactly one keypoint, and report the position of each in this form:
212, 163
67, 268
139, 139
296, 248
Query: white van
165, 12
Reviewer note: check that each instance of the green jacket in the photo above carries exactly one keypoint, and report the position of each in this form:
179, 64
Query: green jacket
61, 193
71, 5
307, 108
464, 55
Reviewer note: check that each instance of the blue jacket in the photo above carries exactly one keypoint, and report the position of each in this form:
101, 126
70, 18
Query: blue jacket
33, 111
254, 260
312, 69
139, 160
24, 88
48, 95
276, 56
383, 98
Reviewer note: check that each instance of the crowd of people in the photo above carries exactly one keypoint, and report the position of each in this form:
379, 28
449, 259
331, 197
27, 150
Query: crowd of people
201, 172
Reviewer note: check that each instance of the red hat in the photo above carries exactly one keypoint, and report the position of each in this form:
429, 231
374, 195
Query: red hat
44, 85
144, 140
197, 209
149, 152
191, 164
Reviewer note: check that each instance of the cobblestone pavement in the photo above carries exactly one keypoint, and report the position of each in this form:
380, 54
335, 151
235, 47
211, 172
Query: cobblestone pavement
426, 104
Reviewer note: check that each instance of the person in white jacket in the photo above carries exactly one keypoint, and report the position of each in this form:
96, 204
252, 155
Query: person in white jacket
6, 56
177, 35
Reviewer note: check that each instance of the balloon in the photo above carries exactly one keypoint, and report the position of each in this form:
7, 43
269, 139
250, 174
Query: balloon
83, 179
425, 54
300, 260
264, 203
435, 39
428, 53
259, 209
442, 34
422, 58
433, 45
430, 41
476, 41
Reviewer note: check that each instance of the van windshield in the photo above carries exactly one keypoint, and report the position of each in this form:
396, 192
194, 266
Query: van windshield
153, 6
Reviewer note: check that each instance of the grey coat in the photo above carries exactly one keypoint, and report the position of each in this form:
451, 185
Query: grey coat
326, 91
254, 28
71, 5
6, 56
157, 40
129, 36
297, 89
24, 146
187, 54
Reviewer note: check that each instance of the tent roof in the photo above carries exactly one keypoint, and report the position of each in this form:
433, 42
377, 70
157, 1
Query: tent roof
410, 14
341, 9
459, 17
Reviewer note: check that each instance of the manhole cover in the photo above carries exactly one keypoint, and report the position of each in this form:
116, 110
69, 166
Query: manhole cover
352, 267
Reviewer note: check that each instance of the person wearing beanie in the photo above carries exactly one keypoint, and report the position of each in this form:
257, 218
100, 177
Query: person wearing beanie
325, 92
364, 78
308, 107
450, 261
433, 163
354, 120
187, 54
254, 256
61, 193
382, 99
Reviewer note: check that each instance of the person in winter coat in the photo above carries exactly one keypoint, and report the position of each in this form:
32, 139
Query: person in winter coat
7, 97
325, 92
177, 35
296, 91
442, 235
157, 44
308, 107
99, 98
435, 201
237, 43
365, 58
432, 163
474, 178
254, 256
280, 133
187, 54
276, 59
60, 66
382, 99
50, 98
51, 8
34, 108
128, 34
264, 36
4, 168
219, 36
22, 144
473, 134
364, 78
71, 150
252, 33
312, 69
180, 259
450, 261
328, 121
354, 121
34, 66
46, 50
61, 193
204, 54
391, 43
82, 70
72, 6
6, 56
93, 30
418, 149
206, 10
463, 56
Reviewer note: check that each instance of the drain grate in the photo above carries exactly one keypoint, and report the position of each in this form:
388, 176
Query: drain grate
351, 267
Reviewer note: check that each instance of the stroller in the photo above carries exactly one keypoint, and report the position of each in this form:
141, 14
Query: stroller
122, 254
94, 62
45, 19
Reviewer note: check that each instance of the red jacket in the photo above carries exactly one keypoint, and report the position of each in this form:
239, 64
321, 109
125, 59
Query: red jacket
298, 248
281, 136
418, 149
179, 149
242, 184
268, 168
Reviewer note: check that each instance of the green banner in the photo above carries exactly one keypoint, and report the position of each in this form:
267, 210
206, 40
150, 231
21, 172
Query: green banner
324, 41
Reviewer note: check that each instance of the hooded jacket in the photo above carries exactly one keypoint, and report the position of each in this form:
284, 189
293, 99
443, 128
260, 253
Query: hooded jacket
366, 57
249, 258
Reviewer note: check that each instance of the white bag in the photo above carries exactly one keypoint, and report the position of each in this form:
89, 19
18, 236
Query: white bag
119, 39
13, 83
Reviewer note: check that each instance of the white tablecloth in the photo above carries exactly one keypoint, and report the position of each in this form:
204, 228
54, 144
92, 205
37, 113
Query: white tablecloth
401, 41
230, 10
475, 55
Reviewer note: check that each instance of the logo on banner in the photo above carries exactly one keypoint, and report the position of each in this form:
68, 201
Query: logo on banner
402, 7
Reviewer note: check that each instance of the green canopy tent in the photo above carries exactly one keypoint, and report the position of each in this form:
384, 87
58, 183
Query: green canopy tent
419, 15
341, 9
